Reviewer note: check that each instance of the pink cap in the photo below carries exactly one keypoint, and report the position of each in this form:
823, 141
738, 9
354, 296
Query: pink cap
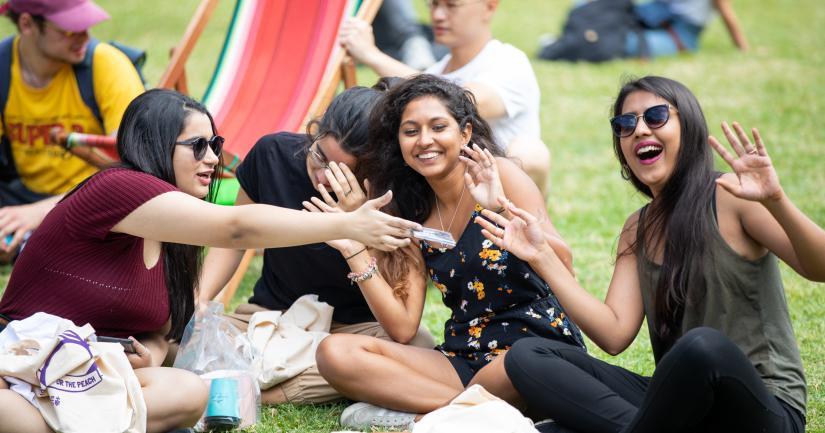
70, 15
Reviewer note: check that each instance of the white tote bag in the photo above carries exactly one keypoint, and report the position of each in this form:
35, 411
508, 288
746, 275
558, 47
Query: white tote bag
78, 386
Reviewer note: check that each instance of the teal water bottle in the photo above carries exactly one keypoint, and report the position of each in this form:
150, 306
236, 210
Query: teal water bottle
223, 412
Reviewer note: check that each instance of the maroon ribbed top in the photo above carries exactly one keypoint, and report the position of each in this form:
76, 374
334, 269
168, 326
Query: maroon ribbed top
75, 268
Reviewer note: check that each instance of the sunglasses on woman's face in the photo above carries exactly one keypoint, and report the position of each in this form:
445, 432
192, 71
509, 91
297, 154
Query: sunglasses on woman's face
655, 117
199, 145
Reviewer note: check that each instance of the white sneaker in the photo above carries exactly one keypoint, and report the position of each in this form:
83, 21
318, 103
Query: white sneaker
364, 415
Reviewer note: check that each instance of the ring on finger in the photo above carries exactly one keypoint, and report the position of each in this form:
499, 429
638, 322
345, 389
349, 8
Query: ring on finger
753, 151
346, 193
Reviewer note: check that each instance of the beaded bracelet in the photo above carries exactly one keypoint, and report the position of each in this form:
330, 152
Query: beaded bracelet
366, 274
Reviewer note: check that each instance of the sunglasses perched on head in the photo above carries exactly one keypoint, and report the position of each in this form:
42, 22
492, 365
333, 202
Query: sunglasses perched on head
199, 145
655, 117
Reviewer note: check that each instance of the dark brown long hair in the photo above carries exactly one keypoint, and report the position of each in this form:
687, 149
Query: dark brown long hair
678, 217
384, 165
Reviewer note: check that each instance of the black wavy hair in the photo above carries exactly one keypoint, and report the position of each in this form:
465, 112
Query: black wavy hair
384, 166
677, 218
383, 163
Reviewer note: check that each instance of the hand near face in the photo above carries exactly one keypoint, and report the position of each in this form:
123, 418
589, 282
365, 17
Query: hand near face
757, 179
482, 177
345, 186
522, 235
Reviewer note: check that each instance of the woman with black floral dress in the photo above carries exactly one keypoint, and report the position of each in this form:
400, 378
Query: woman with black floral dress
432, 148
495, 299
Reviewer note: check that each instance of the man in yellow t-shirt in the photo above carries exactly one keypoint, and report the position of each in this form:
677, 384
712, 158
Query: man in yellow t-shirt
44, 95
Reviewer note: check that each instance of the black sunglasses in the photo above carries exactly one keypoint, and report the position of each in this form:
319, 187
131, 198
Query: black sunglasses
655, 117
199, 144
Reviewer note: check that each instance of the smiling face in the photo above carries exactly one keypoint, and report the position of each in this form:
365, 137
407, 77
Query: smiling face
192, 176
430, 138
651, 154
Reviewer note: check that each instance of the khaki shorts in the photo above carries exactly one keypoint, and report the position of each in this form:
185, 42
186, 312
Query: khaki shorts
309, 386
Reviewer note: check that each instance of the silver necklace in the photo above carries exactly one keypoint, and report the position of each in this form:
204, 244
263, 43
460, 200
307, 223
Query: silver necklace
455, 212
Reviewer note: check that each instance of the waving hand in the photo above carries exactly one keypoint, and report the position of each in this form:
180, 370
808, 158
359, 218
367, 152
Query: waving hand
757, 179
482, 177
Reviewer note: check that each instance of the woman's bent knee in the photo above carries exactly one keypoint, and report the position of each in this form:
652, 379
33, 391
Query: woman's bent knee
17, 415
197, 392
174, 397
340, 355
705, 346
334, 354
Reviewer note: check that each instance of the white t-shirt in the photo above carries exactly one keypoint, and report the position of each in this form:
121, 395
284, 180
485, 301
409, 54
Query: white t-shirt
507, 70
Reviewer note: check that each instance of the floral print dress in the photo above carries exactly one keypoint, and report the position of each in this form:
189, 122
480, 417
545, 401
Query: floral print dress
495, 299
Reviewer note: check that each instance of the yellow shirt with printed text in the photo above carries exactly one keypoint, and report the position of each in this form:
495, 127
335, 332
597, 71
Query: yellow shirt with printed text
31, 113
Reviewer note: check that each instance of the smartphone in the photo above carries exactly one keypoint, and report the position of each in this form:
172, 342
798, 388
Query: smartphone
128, 345
433, 235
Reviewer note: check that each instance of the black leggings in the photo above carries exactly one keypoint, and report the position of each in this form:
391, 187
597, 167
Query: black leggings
703, 384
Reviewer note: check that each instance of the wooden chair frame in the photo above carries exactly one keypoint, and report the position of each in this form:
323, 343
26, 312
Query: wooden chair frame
340, 70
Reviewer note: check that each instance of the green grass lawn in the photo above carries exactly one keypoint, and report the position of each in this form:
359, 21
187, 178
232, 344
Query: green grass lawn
779, 86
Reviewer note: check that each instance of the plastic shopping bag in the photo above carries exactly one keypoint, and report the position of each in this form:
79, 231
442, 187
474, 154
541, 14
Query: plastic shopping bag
224, 358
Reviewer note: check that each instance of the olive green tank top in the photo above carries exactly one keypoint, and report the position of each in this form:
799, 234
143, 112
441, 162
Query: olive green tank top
745, 300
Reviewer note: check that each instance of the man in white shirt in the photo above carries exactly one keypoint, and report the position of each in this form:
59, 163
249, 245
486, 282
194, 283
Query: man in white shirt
499, 75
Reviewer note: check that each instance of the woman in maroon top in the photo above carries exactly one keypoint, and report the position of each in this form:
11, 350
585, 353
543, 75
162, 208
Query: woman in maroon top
123, 250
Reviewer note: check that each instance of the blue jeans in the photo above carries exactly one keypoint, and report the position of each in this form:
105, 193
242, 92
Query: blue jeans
660, 42
655, 16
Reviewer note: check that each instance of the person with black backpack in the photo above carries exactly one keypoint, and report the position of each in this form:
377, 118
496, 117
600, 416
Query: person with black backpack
53, 76
602, 30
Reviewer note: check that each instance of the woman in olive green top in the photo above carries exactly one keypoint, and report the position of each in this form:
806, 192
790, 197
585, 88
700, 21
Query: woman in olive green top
700, 262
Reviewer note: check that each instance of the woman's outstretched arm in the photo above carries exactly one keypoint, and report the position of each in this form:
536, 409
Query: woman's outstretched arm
220, 263
180, 218
766, 213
